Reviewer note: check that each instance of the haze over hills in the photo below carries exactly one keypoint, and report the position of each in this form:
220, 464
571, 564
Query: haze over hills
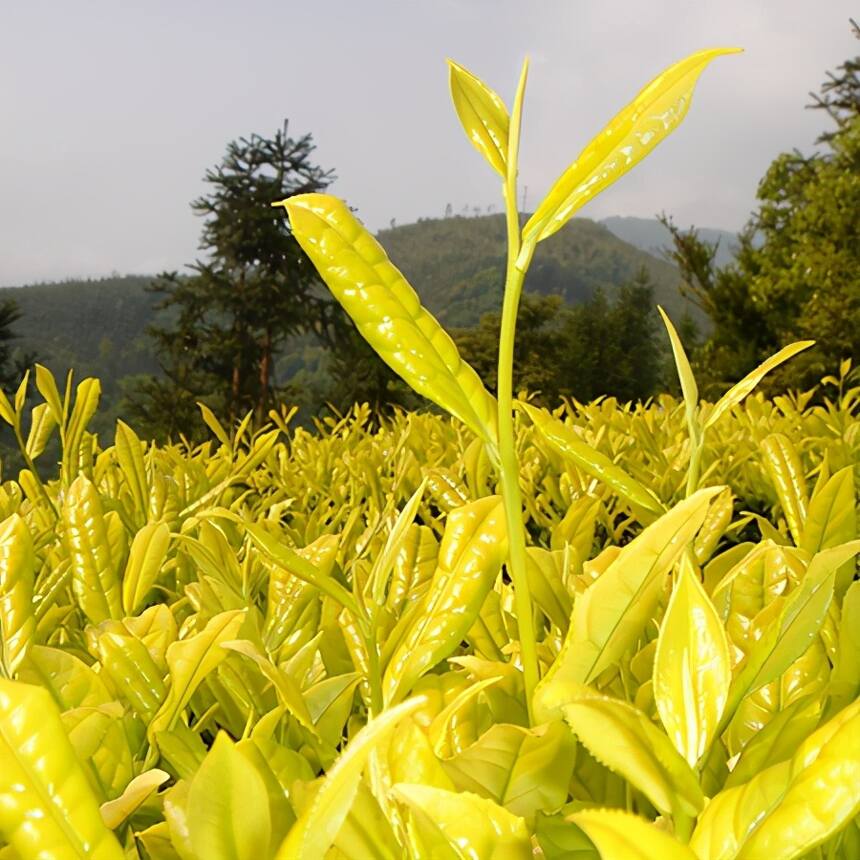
648, 234
98, 327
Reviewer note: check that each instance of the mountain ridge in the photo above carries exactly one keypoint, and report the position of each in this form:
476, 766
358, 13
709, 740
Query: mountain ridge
98, 326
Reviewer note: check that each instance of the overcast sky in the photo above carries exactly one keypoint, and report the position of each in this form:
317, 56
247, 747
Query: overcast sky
112, 110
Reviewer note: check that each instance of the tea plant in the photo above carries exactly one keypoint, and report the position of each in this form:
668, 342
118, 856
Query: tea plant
609, 631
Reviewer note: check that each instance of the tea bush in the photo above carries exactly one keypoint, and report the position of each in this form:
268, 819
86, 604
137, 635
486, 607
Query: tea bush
605, 632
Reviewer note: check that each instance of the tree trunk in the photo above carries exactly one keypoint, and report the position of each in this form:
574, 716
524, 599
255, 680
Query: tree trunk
265, 375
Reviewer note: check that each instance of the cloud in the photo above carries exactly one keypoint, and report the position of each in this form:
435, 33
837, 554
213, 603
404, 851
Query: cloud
112, 124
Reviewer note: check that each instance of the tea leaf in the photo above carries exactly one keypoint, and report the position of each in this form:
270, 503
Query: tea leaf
387, 311
692, 672
655, 113
626, 741
47, 808
17, 568
116, 812
456, 824
483, 116
470, 557
316, 829
228, 806
620, 834
569, 446
145, 560
611, 613
190, 661
788, 809
799, 621
740, 390
786, 473
94, 575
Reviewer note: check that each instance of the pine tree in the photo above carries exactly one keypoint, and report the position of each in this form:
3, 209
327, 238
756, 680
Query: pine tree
251, 289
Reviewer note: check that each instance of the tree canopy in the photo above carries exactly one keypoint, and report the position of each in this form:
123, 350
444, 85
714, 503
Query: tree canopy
797, 272
251, 289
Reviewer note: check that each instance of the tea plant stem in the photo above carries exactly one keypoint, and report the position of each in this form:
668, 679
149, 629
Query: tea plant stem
374, 677
695, 467
28, 462
514, 277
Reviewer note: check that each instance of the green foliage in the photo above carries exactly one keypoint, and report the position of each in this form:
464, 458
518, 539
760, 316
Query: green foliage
246, 596
797, 270
457, 265
600, 347
252, 289
11, 366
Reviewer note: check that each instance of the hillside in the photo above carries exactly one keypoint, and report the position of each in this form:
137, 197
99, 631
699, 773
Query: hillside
648, 234
457, 265
98, 327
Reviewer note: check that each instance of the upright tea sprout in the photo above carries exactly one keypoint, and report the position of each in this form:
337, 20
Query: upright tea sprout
388, 312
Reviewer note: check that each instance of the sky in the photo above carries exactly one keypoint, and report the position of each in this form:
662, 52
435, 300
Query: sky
112, 110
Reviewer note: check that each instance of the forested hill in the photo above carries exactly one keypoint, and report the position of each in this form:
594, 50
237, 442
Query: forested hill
650, 235
98, 327
457, 265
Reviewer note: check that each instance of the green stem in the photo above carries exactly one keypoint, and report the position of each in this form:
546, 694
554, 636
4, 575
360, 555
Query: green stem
31, 466
509, 466
374, 678
683, 826
697, 444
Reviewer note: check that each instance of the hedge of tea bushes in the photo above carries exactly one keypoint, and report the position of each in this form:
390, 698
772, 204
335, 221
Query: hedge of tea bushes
293, 643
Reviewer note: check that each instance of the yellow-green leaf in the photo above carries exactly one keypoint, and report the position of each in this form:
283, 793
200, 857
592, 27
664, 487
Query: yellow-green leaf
145, 560
94, 575
524, 770
689, 389
470, 557
831, 519
692, 669
47, 808
783, 465
467, 825
483, 116
567, 444
86, 402
623, 836
845, 678
387, 311
190, 661
129, 455
288, 692
798, 623
740, 390
612, 612
654, 114
46, 385
627, 742
228, 807
315, 831
116, 812
17, 567
42, 424
788, 809
396, 539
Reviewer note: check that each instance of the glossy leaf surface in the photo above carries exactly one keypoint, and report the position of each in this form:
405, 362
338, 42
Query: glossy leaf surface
612, 611
46, 806
483, 116
387, 311
692, 670
654, 114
